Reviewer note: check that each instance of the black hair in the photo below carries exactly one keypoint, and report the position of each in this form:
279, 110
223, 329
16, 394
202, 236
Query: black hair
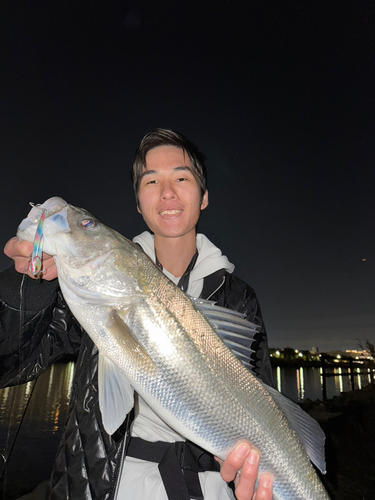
165, 137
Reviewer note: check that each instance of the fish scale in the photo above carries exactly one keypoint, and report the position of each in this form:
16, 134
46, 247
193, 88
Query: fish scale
153, 339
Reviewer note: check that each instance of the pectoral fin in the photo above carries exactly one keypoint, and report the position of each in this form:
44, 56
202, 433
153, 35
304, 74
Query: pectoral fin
116, 395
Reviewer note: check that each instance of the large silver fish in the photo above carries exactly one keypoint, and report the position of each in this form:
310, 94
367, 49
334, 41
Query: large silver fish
155, 340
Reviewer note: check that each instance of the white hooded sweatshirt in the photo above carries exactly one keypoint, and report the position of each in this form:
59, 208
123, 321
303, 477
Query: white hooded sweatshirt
210, 259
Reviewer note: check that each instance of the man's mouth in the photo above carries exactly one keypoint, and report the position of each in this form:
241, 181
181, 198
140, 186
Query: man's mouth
170, 212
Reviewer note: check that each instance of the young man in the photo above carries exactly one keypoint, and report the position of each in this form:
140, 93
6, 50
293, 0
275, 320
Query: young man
170, 185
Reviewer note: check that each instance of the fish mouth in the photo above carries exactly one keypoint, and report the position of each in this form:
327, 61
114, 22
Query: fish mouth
26, 229
49, 207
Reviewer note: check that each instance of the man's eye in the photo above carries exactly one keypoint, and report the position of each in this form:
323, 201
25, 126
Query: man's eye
153, 181
181, 179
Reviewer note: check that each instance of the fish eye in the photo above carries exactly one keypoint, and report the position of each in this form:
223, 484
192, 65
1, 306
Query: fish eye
89, 224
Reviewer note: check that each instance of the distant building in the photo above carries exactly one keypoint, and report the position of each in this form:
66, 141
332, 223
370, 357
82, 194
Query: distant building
337, 353
363, 355
289, 354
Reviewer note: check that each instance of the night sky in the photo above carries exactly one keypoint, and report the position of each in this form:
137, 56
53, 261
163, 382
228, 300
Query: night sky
278, 94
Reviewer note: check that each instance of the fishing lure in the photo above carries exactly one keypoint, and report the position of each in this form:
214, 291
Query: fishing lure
36, 256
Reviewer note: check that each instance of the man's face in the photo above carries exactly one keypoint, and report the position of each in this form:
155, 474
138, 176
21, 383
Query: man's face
169, 195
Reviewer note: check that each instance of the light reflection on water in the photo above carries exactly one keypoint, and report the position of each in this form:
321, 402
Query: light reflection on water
52, 391
13, 399
32, 417
306, 382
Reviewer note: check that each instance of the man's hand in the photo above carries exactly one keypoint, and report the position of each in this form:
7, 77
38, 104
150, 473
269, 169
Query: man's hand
20, 252
246, 458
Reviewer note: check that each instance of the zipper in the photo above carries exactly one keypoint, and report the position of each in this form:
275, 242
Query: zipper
118, 474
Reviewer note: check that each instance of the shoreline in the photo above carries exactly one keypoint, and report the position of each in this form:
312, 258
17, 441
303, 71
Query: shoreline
348, 421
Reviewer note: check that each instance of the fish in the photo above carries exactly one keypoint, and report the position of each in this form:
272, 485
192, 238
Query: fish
187, 358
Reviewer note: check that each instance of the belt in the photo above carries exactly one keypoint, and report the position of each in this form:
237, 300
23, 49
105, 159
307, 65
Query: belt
179, 464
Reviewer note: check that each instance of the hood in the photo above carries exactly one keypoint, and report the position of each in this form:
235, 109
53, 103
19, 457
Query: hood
210, 260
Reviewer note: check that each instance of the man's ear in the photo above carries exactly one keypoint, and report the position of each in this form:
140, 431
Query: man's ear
204, 200
139, 210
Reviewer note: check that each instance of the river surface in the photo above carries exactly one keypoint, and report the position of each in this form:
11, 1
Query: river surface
300, 384
32, 417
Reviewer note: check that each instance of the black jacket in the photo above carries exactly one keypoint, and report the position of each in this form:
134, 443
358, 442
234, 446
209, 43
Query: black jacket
37, 328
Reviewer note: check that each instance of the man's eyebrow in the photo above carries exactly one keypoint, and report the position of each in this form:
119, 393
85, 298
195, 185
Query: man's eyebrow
182, 169
147, 172
175, 169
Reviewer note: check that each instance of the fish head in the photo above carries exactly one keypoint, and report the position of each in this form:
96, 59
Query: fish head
72, 235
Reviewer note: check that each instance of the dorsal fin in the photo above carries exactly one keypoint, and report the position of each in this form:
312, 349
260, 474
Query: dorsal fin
234, 330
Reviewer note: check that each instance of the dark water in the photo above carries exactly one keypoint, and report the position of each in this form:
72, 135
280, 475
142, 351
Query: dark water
32, 417
300, 384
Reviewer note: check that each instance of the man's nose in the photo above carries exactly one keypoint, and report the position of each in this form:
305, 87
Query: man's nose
168, 193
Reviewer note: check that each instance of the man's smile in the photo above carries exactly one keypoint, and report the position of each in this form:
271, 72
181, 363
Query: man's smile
170, 212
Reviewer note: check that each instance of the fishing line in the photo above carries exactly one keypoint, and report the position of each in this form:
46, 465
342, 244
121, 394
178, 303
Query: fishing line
9, 445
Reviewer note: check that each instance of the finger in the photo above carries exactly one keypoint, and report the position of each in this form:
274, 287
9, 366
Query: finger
245, 481
49, 273
233, 463
21, 265
20, 251
17, 248
264, 490
49, 266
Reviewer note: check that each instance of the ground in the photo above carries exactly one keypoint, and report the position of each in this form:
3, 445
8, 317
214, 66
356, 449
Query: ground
348, 421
